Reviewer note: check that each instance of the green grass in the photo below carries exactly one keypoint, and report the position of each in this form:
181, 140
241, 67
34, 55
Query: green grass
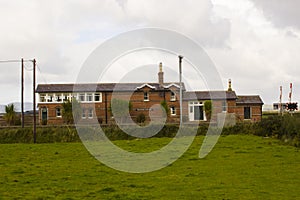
239, 167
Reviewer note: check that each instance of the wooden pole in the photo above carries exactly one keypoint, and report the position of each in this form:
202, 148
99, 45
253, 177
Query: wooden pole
34, 103
180, 82
22, 92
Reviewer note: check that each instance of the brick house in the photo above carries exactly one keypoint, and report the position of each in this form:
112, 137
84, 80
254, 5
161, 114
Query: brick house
95, 100
249, 108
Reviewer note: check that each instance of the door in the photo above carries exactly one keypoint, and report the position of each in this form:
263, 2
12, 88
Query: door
198, 113
44, 116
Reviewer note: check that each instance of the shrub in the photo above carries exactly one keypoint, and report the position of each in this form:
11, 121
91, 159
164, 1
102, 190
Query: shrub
141, 118
208, 109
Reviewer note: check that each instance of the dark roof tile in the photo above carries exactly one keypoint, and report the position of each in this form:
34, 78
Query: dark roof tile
206, 95
91, 87
250, 99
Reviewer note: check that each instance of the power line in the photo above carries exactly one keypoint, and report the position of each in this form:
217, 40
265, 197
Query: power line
14, 61
9, 61
28, 68
41, 74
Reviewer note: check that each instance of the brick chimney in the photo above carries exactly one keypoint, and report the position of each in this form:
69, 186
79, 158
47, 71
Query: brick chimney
160, 76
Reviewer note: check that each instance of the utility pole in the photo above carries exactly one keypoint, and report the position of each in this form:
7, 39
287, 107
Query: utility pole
22, 92
34, 103
280, 102
180, 84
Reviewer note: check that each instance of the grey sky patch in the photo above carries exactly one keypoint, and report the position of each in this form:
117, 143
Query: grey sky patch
281, 13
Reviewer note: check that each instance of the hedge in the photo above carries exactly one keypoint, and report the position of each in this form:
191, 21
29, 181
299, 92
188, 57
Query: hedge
285, 128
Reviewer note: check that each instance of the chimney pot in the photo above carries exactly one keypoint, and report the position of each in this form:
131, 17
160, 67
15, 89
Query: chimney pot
229, 85
160, 76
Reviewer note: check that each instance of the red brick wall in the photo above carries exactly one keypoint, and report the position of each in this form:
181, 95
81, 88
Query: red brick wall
102, 109
256, 113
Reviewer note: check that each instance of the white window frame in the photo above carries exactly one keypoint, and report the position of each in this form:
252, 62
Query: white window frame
90, 113
100, 96
80, 95
146, 96
58, 110
75, 95
43, 98
173, 96
89, 97
192, 104
172, 110
65, 97
50, 97
58, 98
83, 114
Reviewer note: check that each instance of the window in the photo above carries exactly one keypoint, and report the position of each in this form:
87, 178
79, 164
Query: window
97, 97
89, 97
58, 112
83, 115
247, 113
146, 96
173, 96
196, 111
81, 97
90, 113
74, 96
42, 98
224, 106
173, 110
50, 98
191, 109
58, 98
65, 97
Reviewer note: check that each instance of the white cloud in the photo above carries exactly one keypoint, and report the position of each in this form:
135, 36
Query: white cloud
253, 42
261, 56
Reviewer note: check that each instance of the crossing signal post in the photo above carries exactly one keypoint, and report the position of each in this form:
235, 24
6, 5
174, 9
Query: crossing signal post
292, 107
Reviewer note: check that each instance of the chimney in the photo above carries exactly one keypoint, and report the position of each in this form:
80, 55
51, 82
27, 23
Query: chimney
160, 76
229, 85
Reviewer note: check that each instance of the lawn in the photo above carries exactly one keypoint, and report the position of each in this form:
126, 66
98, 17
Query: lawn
239, 167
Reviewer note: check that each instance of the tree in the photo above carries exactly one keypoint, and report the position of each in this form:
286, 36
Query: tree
166, 110
208, 109
10, 114
120, 108
71, 111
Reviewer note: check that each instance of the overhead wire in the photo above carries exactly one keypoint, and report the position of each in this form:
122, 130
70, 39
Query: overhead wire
41, 74
9, 61
27, 68
14, 61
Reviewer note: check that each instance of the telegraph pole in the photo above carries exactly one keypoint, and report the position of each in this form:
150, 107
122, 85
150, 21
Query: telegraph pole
280, 102
34, 103
180, 83
22, 92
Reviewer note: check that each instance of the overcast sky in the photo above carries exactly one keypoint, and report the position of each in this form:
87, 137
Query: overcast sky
256, 43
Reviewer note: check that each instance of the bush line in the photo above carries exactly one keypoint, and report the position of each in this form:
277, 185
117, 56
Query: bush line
286, 128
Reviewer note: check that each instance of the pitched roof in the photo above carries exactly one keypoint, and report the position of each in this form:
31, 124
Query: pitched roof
146, 85
250, 99
98, 87
207, 95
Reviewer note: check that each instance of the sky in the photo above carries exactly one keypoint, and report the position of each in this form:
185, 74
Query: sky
255, 43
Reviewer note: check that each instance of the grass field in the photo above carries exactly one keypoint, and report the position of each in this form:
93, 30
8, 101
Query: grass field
239, 167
